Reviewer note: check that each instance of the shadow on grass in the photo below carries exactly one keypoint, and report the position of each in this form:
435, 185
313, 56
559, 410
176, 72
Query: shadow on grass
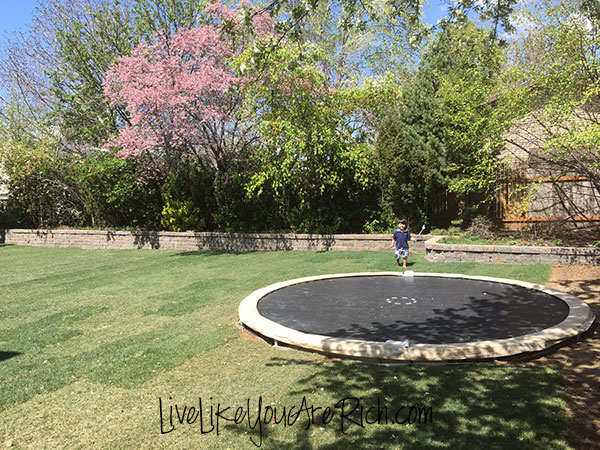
7, 355
461, 407
208, 253
443, 311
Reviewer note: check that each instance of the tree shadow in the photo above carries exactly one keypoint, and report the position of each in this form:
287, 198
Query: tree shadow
209, 253
464, 406
495, 404
242, 242
582, 373
234, 243
7, 355
581, 368
438, 314
142, 239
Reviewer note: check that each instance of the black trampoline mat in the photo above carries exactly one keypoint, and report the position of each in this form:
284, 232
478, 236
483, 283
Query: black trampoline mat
424, 310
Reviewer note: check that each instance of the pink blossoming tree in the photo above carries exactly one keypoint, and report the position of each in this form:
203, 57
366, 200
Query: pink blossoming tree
183, 94
255, 107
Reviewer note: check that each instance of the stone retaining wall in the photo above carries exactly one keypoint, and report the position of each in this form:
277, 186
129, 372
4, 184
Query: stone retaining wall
244, 242
190, 241
505, 254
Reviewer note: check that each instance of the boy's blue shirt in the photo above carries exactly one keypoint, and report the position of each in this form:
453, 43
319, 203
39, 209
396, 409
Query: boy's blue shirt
401, 238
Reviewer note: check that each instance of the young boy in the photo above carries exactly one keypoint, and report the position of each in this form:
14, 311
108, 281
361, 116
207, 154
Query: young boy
400, 240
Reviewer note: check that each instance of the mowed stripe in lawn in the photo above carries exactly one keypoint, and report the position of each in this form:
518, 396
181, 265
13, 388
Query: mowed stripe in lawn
119, 329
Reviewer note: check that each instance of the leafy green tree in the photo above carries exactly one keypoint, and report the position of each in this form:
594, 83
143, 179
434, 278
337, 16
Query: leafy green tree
237, 211
436, 151
467, 62
497, 13
385, 42
192, 183
305, 156
86, 51
166, 17
405, 15
180, 215
549, 102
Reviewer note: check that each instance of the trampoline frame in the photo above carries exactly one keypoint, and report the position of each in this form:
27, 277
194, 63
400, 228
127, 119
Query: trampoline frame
579, 320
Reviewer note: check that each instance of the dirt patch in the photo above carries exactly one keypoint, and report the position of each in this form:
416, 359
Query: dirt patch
581, 360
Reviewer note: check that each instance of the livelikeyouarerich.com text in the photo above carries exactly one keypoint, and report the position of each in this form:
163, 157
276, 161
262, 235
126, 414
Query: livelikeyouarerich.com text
348, 412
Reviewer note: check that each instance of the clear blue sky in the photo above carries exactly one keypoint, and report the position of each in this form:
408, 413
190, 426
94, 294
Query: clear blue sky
434, 10
15, 14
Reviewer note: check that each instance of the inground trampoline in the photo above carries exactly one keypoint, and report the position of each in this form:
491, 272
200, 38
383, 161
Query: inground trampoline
395, 317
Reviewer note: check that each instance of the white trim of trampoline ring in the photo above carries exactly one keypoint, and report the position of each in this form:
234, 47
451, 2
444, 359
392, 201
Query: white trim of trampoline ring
579, 320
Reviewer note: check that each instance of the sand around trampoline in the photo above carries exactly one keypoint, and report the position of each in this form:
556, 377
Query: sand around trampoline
580, 361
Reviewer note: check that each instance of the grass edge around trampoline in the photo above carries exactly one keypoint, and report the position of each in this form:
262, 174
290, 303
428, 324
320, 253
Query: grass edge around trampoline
101, 335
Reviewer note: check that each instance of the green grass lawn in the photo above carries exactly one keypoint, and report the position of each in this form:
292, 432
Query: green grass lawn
91, 340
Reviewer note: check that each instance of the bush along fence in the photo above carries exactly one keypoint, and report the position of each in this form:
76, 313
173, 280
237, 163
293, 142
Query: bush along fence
509, 254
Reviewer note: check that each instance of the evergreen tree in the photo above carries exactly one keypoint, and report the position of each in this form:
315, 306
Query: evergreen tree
412, 157
441, 128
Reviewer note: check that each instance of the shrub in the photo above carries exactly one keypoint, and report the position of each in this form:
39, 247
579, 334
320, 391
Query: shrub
180, 215
42, 192
481, 227
114, 193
